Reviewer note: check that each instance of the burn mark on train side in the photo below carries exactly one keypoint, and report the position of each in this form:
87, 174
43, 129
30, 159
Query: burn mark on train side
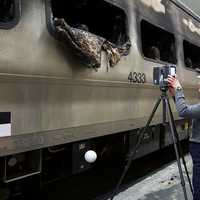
90, 27
156, 5
191, 26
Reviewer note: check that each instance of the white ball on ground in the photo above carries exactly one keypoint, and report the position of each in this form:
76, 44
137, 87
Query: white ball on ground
90, 156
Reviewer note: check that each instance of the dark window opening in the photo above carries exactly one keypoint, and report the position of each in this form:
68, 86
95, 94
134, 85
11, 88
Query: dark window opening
191, 55
9, 13
157, 44
98, 17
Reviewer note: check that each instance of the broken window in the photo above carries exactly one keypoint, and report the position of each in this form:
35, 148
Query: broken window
191, 55
91, 26
9, 13
157, 44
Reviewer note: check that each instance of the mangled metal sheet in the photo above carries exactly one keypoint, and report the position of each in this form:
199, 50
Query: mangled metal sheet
89, 46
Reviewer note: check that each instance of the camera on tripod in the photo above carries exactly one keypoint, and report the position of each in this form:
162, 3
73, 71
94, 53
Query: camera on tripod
160, 75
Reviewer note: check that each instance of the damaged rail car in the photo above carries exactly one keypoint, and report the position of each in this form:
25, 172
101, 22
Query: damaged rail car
77, 75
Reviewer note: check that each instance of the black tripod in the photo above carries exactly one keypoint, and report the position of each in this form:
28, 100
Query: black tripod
167, 112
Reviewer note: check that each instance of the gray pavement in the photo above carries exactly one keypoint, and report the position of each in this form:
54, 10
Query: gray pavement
163, 184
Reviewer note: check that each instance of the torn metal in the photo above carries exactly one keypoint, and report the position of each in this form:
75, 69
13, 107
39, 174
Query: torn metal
88, 46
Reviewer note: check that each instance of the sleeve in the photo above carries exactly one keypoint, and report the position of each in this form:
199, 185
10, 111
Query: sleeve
184, 110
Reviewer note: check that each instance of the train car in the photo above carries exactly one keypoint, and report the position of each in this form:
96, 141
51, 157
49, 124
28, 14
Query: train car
77, 75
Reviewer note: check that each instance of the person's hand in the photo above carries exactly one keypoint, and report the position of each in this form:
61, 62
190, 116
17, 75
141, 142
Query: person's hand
173, 83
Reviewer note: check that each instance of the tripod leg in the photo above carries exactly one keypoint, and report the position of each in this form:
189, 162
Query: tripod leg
164, 111
176, 148
180, 149
133, 152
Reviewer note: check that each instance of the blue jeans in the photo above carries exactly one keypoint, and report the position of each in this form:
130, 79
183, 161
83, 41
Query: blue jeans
195, 153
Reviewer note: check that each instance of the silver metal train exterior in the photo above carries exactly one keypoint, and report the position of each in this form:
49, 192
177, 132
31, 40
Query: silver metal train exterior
52, 99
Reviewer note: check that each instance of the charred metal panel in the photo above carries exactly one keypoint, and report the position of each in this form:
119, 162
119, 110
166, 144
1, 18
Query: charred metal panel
157, 28
161, 13
106, 30
189, 27
9, 13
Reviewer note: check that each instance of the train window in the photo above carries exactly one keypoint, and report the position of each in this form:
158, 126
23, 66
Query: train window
90, 26
191, 55
9, 13
87, 15
157, 44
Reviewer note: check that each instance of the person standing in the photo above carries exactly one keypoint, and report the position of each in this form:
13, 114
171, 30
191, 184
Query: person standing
191, 112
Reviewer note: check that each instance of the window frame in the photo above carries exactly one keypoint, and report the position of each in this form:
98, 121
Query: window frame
192, 43
140, 42
49, 18
51, 28
15, 21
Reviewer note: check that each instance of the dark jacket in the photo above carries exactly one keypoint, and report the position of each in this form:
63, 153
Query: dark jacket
189, 111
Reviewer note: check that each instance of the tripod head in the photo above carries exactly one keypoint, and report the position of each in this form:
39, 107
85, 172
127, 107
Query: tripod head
164, 89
